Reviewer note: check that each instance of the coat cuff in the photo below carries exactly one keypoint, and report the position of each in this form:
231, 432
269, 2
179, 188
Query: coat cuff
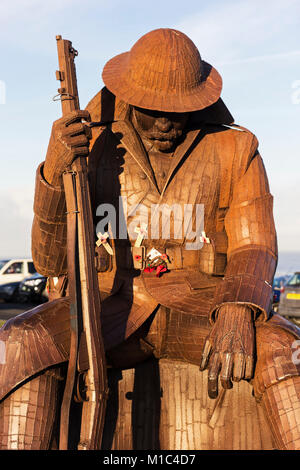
248, 280
49, 201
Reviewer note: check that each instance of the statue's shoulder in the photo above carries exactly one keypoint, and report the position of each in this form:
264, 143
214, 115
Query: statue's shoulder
233, 143
241, 133
234, 147
233, 132
106, 107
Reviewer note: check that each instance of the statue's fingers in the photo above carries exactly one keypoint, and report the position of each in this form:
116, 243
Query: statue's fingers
205, 355
239, 366
249, 367
81, 151
76, 129
226, 371
77, 115
78, 141
213, 375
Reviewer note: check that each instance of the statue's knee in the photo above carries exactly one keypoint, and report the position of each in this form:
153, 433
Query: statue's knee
275, 348
36, 319
32, 342
14, 329
39, 397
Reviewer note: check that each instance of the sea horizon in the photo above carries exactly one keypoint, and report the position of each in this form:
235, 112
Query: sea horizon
288, 262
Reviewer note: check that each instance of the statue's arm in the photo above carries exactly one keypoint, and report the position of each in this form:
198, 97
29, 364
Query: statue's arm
49, 228
252, 243
69, 139
245, 293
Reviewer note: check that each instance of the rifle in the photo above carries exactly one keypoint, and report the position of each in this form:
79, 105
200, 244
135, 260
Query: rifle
82, 280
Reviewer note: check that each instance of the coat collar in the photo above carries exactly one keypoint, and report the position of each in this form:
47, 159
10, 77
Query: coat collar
126, 133
180, 153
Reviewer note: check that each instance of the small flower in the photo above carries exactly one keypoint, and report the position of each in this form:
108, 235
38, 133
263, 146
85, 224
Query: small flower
148, 269
160, 269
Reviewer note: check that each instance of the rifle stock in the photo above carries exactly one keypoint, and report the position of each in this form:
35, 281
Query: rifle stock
83, 281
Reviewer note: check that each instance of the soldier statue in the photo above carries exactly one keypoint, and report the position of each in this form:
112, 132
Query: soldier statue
196, 358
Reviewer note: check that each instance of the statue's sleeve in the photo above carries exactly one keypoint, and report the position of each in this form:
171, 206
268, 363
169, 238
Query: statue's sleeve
49, 229
252, 243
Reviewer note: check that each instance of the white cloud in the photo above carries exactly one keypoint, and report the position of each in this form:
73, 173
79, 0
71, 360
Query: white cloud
16, 220
28, 24
224, 31
20, 10
262, 58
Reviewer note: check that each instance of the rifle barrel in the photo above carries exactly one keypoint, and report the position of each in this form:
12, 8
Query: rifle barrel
83, 281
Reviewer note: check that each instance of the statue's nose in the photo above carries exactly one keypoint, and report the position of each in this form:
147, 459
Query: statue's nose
163, 124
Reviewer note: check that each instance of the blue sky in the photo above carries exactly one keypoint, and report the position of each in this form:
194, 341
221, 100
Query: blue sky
254, 45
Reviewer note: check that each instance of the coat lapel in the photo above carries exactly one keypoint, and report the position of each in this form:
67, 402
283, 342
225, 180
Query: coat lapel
133, 145
180, 153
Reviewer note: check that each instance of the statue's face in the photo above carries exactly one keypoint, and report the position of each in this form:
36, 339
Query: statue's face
160, 129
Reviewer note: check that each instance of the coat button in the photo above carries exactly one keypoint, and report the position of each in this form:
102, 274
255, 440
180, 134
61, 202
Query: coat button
142, 175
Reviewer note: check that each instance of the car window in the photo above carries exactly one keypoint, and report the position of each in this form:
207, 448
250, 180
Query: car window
15, 268
3, 262
279, 282
295, 280
31, 268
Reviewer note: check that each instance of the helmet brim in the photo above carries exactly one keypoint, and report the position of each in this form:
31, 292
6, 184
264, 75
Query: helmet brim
116, 77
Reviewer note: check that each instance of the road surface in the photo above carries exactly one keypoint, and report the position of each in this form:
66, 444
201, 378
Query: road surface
9, 310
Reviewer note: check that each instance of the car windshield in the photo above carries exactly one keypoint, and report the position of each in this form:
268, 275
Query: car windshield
281, 281
295, 280
3, 262
277, 282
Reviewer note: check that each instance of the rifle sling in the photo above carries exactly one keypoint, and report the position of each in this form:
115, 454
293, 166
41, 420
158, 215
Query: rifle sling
74, 291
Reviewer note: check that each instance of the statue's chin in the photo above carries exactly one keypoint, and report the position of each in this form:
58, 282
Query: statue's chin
163, 145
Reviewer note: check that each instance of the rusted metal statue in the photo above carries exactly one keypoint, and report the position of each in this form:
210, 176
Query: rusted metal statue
157, 136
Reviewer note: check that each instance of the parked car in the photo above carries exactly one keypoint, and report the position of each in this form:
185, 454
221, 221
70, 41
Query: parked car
289, 305
9, 292
15, 270
33, 289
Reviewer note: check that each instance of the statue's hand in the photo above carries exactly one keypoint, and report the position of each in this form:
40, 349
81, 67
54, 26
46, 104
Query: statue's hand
229, 348
69, 139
